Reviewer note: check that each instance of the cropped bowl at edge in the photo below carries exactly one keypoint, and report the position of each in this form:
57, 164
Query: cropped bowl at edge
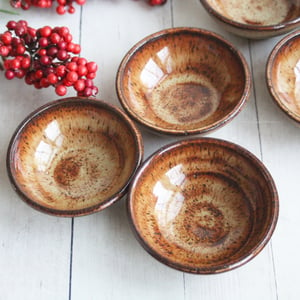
283, 75
255, 19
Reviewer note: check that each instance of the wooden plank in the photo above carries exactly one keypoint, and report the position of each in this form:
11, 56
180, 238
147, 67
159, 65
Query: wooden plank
34, 247
281, 146
107, 260
256, 280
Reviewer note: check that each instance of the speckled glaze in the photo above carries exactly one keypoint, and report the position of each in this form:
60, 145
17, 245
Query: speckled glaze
183, 81
203, 205
283, 75
255, 19
74, 156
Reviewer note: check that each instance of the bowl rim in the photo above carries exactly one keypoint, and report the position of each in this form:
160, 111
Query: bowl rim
255, 250
249, 27
269, 78
173, 31
69, 102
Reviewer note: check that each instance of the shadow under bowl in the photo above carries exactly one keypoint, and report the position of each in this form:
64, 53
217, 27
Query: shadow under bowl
283, 75
203, 205
255, 19
183, 81
74, 156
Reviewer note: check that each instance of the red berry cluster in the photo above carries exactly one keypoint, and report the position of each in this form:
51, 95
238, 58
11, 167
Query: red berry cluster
44, 57
62, 7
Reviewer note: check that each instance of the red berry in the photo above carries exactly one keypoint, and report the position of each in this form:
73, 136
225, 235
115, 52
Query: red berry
4, 51
157, 2
20, 49
6, 38
80, 2
61, 71
70, 47
89, 83
79, 85
62, 45
81, 61
42, 52
62, 54
82, 70
63, 31
91, 75
45, 60
43, 42
25, 63
61, 11
71, 9
45, 31
92, 67
31, 31
9, 74
88, 92
15, 64
55, 38
76, 49
11, 25
52, 78
72, 66
44, 82
38, 74
60, 90
72, 76
68, 37
52, 51
20, 73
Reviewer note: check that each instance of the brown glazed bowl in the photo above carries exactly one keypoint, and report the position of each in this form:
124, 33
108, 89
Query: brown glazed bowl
283, 75
74, 156
203, 206
183, 81
255, 19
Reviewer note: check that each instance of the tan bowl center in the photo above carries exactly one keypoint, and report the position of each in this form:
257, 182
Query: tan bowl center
202, 207
183, 81
73, 157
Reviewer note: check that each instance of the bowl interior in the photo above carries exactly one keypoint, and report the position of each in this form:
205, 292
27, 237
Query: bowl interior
203, 206
284, 75
182, 81
257, 13
73, 156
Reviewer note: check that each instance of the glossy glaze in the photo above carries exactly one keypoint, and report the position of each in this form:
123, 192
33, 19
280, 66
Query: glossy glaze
183, 81
74, 156
255, 19
283, 75
203, 205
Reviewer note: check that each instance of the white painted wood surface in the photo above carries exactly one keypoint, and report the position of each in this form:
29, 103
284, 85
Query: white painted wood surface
96, 256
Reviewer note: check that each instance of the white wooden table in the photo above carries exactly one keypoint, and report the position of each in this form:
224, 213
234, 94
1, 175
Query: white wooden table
96, 256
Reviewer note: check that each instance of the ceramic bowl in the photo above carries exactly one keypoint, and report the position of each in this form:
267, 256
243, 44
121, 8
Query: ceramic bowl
203, 206
74, 156
255, 19
283, 75
183, 81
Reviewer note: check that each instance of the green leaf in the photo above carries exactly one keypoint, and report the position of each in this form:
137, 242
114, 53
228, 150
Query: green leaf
8, 12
